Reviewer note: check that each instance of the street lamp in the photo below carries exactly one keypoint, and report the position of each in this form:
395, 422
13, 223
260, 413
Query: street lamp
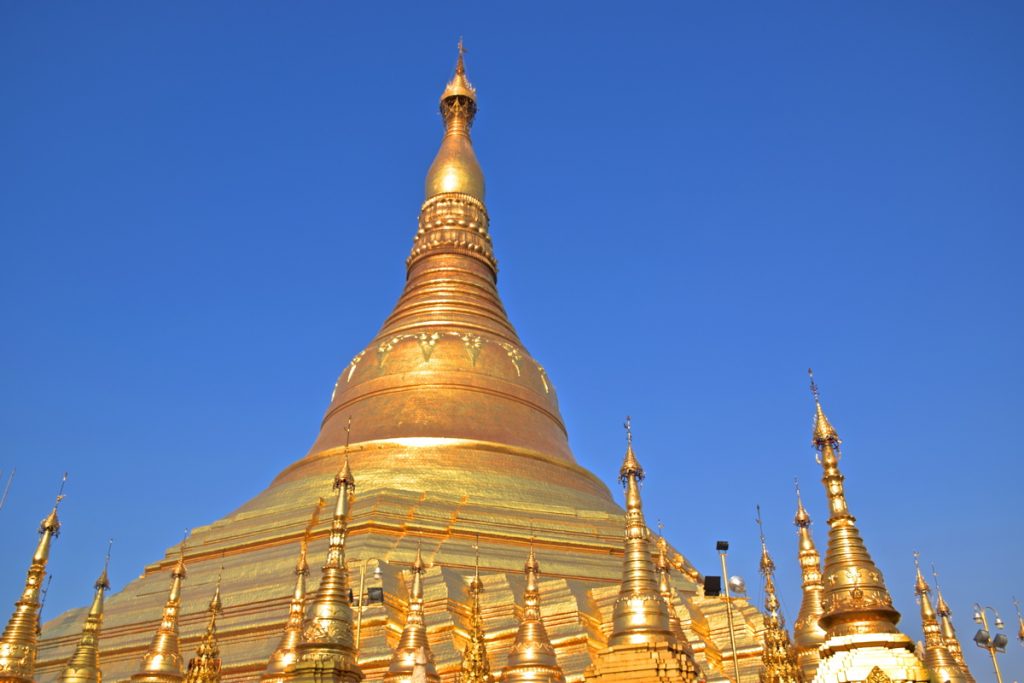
985, 641
362, 598
723, 547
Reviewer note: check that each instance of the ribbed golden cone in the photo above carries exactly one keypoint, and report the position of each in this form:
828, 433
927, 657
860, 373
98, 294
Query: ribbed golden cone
327, 653
937, 659
18, 645
84, 665
162, 662
807, 632
532, 658
205, 666
412, 661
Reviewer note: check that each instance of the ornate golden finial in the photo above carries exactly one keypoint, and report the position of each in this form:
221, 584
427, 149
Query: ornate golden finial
286, 653
807, 633
640, 615
778, 662
949, 638
19, 643
532, 657
858, 616
205, 666
455, 169
84, 665
475, 666
162, 662
937, 657
412, 659
328, 648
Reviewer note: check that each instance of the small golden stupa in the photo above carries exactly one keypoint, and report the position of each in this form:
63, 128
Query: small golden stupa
807, 632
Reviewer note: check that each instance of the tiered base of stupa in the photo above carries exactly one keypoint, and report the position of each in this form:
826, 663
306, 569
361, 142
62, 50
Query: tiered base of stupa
578, 538
656, 662
874, 658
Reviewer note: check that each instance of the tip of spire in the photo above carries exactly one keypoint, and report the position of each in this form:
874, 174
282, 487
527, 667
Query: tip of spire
103, 583
802, 518
459, 85
630, 465
920, 585
417, 563
824, 433
344, 477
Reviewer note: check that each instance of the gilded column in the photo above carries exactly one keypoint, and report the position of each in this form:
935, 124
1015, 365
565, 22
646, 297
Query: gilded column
532, 658
807, 632
949, 633
205, 666
84, 665
286, 652
862, 642
642, 645
413, 660
19, 643
475, 666
778, 661
937, 658
162, 662
327, 652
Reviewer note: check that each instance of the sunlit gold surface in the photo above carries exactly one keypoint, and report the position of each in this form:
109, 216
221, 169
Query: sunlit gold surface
84, 665
532, 658
456, 432
858, 617
413, 662
205, 666
778, 661
937, 659
949, 638
18, 645
807, 632
162, 662
327, 653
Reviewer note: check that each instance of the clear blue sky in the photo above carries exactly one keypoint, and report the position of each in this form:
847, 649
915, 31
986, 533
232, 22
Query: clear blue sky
206, 209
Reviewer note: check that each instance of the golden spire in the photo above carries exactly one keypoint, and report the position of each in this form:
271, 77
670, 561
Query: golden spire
640, 615
475, 667
162, 662
19, 643
412, 659
84, 665
948, 632
1020, 621
327, 651
937, 658
205, 666
532, 657
455, 168
855, 598
778, 663
664, 567
286, 653
807, 633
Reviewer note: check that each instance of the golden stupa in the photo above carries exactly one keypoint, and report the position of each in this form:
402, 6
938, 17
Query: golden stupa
454, 434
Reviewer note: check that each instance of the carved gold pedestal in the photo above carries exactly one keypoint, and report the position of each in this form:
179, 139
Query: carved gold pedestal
634, 663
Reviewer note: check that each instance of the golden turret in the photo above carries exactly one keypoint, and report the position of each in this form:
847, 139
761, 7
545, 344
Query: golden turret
948, 632
664, 565
413, 660
475, 666
861, 638
532, 658
778, 661
205, 666
455, 168
286, 653
162, 662
937, 658
640, 614
84, 665
19, 643
327, 652
807, 633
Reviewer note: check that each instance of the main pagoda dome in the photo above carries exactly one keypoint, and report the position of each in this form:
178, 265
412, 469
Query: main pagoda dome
454, 434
